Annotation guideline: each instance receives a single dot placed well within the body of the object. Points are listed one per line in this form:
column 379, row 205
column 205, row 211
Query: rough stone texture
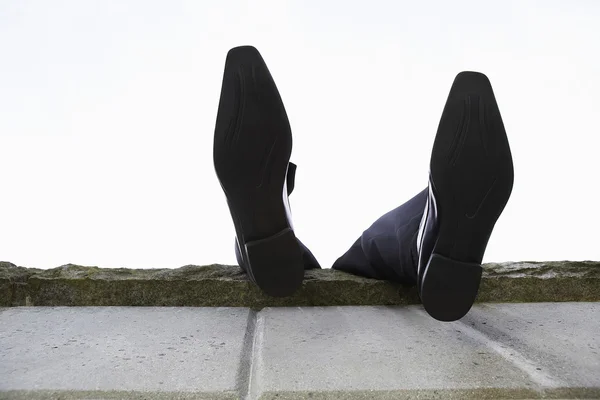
column 221, row 285
column 79, row 352
column 13, row 283
column 499, row 351
column 540, row 281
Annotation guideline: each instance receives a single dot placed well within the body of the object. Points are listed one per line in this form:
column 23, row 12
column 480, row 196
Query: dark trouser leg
column 388, row 248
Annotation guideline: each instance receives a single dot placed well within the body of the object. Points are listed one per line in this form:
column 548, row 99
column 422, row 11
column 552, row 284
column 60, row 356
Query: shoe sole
column 252, row 148
column 471, row 180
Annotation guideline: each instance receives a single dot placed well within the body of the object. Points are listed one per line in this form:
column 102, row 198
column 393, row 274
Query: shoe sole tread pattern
column 472, row 177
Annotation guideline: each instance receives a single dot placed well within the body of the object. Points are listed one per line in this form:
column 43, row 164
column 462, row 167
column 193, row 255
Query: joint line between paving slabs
column 510, row 354
column 244, row 375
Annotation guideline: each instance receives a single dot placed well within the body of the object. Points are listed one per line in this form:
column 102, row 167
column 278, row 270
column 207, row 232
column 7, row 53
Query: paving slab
column 400, row 352
column 517, row 351
column 106, row 352
column 562, row 340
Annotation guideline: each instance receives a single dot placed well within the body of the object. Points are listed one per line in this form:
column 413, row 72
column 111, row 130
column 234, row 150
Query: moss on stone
column 13, row 283
column 222, row 285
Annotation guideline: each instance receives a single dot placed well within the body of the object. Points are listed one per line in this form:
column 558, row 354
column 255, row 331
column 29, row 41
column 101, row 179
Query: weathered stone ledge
column 227, row 286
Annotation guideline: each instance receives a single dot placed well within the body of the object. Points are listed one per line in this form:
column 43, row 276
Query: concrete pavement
column 508, row 350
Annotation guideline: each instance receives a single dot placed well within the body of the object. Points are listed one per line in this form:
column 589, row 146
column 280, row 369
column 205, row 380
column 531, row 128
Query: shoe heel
column 449, row 287
column 276, row 263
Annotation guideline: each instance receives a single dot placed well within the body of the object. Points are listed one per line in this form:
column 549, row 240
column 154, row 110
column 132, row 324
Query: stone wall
column 227, row 286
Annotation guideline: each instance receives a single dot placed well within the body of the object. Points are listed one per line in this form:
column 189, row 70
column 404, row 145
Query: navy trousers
column 388, row 248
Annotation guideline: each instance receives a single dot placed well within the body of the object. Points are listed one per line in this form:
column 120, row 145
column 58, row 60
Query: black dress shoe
column 252, row 148
column 308, row 259
column 470, row 182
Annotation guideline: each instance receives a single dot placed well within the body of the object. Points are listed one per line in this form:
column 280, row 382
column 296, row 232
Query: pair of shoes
column 470, row 181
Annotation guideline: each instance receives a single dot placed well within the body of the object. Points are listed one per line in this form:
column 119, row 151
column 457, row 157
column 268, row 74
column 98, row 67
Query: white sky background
column 107, row 112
